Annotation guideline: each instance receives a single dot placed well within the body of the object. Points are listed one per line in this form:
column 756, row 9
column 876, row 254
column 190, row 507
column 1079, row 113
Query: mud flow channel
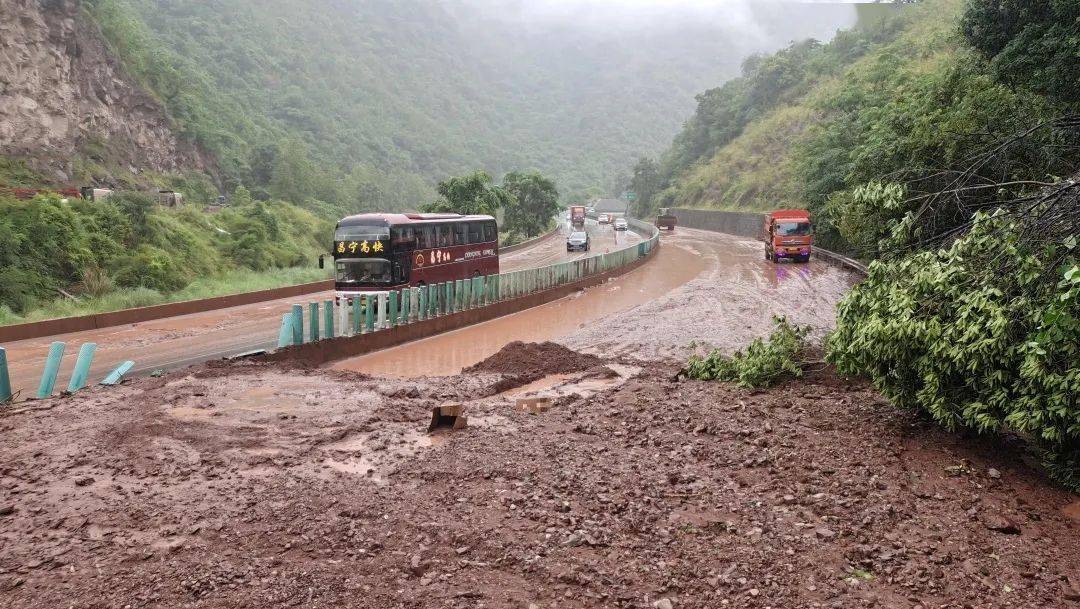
column 447, row 354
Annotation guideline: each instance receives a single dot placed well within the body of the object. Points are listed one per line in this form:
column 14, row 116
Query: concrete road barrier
column 398, row 316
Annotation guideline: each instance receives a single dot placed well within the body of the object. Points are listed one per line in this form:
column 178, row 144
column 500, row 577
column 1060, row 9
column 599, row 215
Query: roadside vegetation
column 62, row 257
column 528, row 201
column 764, row 362
column 128, row 251
column 943, row 146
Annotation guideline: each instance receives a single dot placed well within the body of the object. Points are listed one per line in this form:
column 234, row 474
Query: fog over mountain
column 576, row 89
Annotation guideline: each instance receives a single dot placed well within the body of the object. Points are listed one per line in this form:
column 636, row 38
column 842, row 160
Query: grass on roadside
column 231, row 282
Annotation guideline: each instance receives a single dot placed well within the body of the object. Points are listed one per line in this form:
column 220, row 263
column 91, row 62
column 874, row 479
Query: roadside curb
column 65, row 325
column 528, row 242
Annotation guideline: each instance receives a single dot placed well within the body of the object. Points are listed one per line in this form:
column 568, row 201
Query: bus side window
column 445, row 236
column 460, row 236
column 476, row 232
column 425, row 236
column 402, row 235
column 491, row 232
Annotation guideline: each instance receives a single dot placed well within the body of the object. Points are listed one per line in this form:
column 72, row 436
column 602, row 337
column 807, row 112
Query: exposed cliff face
column 61, row 93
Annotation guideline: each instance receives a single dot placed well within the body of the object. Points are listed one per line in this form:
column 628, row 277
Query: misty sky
column 749, row 25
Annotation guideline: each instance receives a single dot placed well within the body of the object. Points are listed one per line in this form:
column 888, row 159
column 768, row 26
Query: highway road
column 175, row 342
column 701, row 288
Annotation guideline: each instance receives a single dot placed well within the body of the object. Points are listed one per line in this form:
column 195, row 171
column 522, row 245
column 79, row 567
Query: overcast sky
column 750, row 25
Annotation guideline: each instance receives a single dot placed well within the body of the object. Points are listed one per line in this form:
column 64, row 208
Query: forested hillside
column 383, row 98
column 943, row 145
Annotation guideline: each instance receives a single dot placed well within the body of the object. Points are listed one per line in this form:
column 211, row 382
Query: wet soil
column 540, row 359
column 272, row 487
column 598, row 306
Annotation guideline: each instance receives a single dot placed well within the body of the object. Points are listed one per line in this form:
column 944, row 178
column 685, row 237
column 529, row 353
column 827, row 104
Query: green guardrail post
column 392, row 321
column 297, row 324
column 406, row 310
column 421, row 303
column 459, row 295
column 313, row 322
column 328, row 319
column 5, row 379
column 117, row 374
column 52, row 367
column 82, row 367
column 370, row 302
column 357, row 315
column 284, row 336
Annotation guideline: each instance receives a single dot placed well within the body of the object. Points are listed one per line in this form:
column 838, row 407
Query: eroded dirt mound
column 536, row 360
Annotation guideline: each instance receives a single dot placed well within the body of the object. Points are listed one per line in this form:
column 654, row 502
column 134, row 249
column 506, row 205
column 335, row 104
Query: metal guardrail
column 385, row 310
column 79, row 375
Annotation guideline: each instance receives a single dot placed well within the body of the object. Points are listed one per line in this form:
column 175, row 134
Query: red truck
column 577, row 216
column 788, row 235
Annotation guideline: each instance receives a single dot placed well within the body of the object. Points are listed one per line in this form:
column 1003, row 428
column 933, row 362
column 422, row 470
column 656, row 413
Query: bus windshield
column 369, row 270
column 362, row 233
column 792, row 229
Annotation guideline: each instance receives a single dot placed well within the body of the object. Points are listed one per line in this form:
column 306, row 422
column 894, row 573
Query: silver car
column 578, row 241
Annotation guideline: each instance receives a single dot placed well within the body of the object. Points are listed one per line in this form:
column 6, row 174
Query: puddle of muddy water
column 447, row 354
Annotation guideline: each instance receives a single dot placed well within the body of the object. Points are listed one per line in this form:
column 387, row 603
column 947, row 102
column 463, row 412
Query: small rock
column 824, row 533
column 993, row 473
column 6, row 510
column 664, row 603
column 1000, row 523
column 84, row 481
column 754, row 592
column 1070, row 589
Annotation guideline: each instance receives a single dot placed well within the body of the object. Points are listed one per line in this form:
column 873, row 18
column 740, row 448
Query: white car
column 620, row 224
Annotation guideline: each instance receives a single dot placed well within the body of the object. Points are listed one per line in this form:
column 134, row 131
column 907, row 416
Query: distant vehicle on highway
column 621, row 224
column 380, row 252
column 603, row 219
column 788, row 235
column 591, row 210
column 578, row 241
column 665, row 219
column 577, row 216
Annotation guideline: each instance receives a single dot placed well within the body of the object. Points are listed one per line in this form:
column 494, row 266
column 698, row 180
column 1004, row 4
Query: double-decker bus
column 379, row 252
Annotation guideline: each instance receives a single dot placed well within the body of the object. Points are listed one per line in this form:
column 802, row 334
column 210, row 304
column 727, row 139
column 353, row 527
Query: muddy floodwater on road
column 704, row 287
column 177, row 342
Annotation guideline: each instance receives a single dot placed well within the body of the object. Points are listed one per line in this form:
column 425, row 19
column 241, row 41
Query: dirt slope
column 279, row 488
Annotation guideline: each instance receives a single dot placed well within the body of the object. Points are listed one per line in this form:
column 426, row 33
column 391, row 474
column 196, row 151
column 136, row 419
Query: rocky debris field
column 250, row 485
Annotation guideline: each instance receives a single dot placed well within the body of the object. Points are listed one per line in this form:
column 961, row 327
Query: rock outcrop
column 62, row 92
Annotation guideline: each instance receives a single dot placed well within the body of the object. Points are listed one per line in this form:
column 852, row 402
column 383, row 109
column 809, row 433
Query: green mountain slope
column 410, row 91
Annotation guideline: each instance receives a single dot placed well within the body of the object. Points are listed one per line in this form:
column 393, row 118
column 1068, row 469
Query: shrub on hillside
column 983, row 334
column 763, row 363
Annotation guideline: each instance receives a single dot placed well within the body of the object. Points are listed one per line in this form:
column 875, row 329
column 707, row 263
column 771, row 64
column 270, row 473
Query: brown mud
column 313, row 488
column 449, row 353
